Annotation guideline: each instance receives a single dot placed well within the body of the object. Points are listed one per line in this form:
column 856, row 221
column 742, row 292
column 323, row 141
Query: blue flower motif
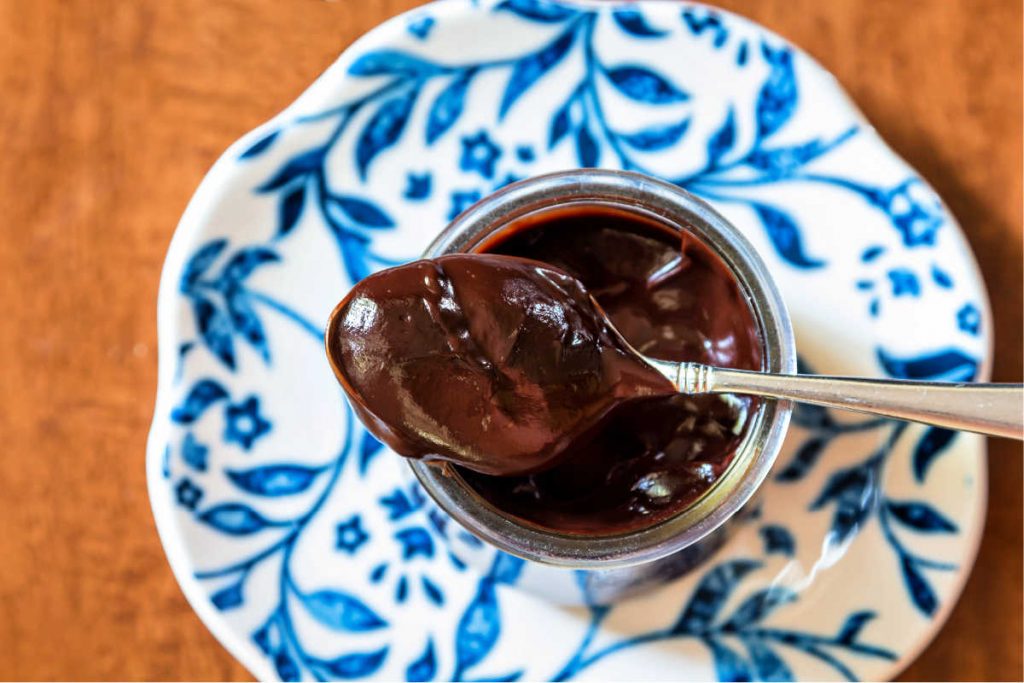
column 415, row 541
column 244, row 423
column 479, row 154
column 420, row 28
column 400, row 505
column 351, row 536
column 188, row 494
column 417, row 186
column 904, row 283
column 968, row 319
column 915, row 211
column 462, row 200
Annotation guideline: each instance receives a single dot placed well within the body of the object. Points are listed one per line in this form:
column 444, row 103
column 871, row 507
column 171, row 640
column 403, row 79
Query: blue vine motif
column 730, row 169
column 701, row 619
column 749, row 147
column 855, row 494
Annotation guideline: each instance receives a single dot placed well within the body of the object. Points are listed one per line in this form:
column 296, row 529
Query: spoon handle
column 993, row 409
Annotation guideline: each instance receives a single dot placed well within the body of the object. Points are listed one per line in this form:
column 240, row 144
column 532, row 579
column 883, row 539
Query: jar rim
column 763, row 439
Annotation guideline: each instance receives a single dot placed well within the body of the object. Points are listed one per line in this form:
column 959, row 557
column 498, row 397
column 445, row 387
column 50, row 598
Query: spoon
column 499, row 364
column 992, row 409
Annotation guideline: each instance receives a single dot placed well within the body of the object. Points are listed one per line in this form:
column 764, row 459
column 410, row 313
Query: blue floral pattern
column 331, row 565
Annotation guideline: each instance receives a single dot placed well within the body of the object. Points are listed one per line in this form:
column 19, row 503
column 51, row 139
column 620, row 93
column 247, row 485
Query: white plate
column 297, row 538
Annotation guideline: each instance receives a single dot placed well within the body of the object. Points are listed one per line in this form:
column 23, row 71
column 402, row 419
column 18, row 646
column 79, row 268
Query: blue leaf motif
column 643, row 85
column 274, row 480
column 803, row 460
column 362, row 211
column 354, row 255
column 448, row 106
column 245, row 261
column 722, row 140
column 267, row 637
column 741, row 54
column 478, row 628
column 768, row 666
column 758, row 606
column 421, row 27
column 872, row 253
column 537, row 10
column 560, row 123
column 201, row 396
column 290, row 209
column 711, row 592
column 215, row 330
column 384, row 129
column 286, row 667
column 632, row 22
column 227, row 598
column 853, row 625
column 785, row 237
column 784, row 161
column 471, row 540
column 424, row 668
column 807, row 415
column 932, row 444
column 950, row 365
column 342, row 612
column 194, row 453
column 431, row 590
column 658, row 137
column 378, row 572
column 920, row 517
column 236, row 519
column 245, row 321
column 529, row 69
column 700, row 24
column 298, row 167
column 260, row 146
column 854, row 492
column 777, row 99
column 920, row 590
column 356, row 665
column 392, row 62
column 201, row 262
column 506, row 568
column 587, row 150
column 729, row 666
column 941, row 278
column 369, row 448
column 777, row 539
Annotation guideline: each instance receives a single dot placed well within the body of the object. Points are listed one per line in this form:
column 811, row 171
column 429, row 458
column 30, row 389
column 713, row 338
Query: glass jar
column 604, row 568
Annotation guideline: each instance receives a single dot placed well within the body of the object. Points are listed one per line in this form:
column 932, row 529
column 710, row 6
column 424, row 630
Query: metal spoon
column 993, row 409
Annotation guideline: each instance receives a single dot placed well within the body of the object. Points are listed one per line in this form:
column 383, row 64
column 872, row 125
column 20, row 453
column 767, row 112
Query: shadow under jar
column 636, row 501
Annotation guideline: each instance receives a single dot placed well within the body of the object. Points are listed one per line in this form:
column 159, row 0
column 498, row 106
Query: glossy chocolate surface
column 495, row 363
column 671, row 298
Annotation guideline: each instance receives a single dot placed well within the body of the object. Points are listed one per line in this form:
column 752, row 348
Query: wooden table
column 110, row 114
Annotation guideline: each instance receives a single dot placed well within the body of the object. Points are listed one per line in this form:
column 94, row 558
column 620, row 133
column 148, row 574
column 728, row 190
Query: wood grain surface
column 111, row 113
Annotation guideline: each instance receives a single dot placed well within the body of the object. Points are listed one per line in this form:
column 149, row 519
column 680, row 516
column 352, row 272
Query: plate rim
column 188, row 230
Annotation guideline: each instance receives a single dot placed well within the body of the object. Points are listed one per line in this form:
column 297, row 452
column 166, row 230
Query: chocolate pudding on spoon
column 494, row 363
column 596, row 441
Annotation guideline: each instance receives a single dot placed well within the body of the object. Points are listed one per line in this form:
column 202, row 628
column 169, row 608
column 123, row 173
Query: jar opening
column 486, row 227
column 670, row 294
